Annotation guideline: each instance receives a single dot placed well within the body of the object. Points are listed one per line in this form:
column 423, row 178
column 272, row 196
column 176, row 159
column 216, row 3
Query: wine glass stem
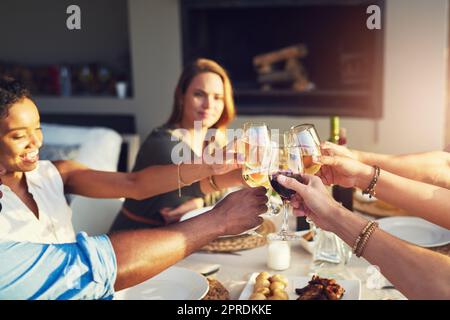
column 286, row 210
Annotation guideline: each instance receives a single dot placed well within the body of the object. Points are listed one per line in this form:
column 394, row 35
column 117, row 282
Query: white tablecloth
column 235, row 270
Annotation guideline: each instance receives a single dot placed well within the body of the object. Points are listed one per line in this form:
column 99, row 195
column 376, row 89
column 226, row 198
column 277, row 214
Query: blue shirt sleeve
column 86, row 269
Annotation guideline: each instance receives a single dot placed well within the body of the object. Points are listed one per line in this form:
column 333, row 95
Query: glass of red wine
column 285, row 160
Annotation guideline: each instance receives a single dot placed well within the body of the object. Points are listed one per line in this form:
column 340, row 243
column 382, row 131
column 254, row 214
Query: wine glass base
column 284, row 236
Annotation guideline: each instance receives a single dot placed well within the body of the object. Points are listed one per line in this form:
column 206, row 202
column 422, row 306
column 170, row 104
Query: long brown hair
column 190, row 71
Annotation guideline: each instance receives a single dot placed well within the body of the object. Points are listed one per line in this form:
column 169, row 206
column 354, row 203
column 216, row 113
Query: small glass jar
column 278, row 254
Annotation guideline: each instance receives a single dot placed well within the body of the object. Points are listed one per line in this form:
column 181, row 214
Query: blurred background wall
column 415, row 69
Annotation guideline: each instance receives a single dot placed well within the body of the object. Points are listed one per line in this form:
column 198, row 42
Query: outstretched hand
column 343, row 171
column 331, row 149
column 227, row 159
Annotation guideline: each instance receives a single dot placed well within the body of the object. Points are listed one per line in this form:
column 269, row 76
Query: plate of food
column 264, row 286
column 199, row 211
column 416, row 230
column 174, row 283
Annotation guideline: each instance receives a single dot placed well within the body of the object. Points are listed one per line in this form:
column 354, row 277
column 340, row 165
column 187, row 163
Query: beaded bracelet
column 361, row 235
column 371, row 188
column 365, row 239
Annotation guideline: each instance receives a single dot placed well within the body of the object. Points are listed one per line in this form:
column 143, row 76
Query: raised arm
column 429, row 167
column 418, row 273
column 151, row 181
column 418, row 198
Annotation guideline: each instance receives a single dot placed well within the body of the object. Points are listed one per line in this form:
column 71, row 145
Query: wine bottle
column 340, row 194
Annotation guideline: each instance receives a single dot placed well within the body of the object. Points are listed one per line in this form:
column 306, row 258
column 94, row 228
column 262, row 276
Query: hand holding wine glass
column 311, row 199
column 286, row 160
column 307, row 139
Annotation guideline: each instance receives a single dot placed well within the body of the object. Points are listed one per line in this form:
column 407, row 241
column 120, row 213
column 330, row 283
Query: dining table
column 233, row 269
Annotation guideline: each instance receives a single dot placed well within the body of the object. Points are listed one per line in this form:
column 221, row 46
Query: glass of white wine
column 305, row 136
column 256, row 147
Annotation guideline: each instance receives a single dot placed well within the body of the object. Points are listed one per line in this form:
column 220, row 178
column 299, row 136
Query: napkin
column 376, row 280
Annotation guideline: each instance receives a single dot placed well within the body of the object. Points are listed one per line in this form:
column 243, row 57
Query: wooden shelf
column 84, row 104
column 317, row 102
column 290, row 93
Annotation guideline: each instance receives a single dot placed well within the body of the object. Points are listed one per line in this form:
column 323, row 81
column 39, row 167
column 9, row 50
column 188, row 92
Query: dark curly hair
column 11, row 91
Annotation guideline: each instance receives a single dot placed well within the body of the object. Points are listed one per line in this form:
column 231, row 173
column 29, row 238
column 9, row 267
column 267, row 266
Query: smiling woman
column 203, row 107
column 20, row 137
column 32, row 189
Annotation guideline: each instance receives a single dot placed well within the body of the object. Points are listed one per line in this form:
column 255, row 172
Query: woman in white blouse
column 36, row 234
column 34, row 207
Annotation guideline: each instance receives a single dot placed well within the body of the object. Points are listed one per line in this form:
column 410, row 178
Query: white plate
column 174, row 283
column 199, row 211
column 352, row 287
column 416, row 230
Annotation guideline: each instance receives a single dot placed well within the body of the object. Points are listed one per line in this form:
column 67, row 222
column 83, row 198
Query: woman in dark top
column 203, row 100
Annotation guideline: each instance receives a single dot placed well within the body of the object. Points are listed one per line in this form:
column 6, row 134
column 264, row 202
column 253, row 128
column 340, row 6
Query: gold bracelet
column 358, row 240
column 181, row 183
column 213, row 183
column 362, row 246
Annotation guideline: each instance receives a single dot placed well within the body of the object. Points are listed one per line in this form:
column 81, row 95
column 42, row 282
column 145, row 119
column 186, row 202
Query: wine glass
column 256, row 150
column 305, row 136
column 285, row 160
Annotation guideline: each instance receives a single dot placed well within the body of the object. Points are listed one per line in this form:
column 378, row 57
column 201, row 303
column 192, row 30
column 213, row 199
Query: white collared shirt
column 18, row 222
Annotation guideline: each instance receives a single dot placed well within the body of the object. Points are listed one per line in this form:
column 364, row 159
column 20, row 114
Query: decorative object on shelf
column 291, row 74
column 69, row 80
column 121, row 89
column 65, row 81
